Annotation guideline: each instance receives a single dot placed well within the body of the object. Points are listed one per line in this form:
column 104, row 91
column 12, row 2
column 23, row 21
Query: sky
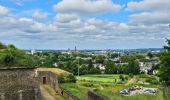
column 86, row 24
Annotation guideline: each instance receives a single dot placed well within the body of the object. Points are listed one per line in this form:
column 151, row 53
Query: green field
column 106, row 78
column 106, row 86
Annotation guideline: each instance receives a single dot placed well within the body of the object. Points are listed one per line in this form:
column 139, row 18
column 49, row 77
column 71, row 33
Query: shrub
column 130, row 75
column 156, row 82
column 71, row 78
column 126, row 77
column 121, row 77
column 88, row 84
column 61, row 79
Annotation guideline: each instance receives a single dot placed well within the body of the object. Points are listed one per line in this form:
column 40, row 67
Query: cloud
column 3, row 10
column 39, row 15
column 149, row 5
column 63, row 18
column 69, row 26
column 20, row 2
column 150, row 18
column 86, row 6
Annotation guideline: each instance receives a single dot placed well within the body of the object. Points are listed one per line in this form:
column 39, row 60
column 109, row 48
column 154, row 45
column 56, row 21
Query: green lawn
column 106, row 78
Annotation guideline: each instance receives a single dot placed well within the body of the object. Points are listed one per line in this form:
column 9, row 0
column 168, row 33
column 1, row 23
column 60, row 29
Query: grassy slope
column 52, row 92
column 104, row 85
column 55, row 70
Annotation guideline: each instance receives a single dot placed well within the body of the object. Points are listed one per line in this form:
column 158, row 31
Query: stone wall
column 19, row 84
column 93, row 96
column 51, row 79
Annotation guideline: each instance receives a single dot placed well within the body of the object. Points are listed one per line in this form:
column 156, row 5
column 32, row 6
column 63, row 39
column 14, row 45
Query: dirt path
column 131, row 81
column 45, row 94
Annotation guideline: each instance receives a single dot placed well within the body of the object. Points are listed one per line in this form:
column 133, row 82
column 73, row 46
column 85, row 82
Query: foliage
column 10, row 56
column 71, row 78
column 164, row 71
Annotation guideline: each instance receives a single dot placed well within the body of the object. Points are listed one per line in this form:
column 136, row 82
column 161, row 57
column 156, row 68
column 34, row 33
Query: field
column 106, row 78
column 106, row 86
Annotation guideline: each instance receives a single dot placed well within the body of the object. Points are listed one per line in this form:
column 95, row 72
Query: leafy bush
column 130, row 75
column 121, row 77
column 71, row 78
column 156, row 82
column 61, row 79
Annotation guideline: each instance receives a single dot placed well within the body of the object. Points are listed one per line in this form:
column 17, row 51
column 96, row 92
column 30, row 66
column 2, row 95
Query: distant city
column 98, row 51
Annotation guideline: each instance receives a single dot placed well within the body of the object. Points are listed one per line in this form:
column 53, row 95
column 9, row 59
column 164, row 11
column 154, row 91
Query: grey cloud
column 149, row 5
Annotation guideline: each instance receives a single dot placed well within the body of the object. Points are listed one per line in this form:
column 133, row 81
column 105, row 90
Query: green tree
column 164, row 71
column 133, row 67
column 110, row 68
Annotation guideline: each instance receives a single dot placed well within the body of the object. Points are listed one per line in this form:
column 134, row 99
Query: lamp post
column 78, row 69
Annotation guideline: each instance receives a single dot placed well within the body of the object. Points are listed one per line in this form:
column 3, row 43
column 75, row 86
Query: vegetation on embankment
column 53, row 93
column 106, row 86
column 10, row 56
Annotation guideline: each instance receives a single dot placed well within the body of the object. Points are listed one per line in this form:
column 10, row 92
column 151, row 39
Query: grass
column 76, row 90
column 116, row 96
column 57, row 71
column 53, row 93
column 105, row 85
column 106, row 78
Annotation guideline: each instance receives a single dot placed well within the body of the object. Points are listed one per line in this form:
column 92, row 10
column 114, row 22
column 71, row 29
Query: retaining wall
column 19, row 84
column 52, row 81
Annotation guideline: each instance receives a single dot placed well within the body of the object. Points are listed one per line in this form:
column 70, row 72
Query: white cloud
column 150, row 18
column 39, row 15
column 3, row 10
column 66, row 17
column 149, row 5
column 86, row 6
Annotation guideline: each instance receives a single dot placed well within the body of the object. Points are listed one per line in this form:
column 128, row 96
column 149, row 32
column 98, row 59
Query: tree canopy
column 10, row 56
column 164, row 71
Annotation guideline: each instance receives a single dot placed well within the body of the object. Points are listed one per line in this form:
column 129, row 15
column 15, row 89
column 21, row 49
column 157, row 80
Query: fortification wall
column 51, row 79
column 93, row 96
column 19, row 84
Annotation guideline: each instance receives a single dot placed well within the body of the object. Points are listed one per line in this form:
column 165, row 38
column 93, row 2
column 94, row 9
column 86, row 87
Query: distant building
column 33, row 51
column 75, row 49
column 146, row 66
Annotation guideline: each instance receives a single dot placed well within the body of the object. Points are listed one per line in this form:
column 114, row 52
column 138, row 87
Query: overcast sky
column 87, row 24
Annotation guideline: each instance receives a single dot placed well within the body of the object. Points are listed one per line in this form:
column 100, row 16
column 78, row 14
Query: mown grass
column 106, row 78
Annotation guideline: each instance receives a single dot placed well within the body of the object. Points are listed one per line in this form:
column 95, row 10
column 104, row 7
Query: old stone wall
column 93, row 96
column 51, row 79
column 19, row 84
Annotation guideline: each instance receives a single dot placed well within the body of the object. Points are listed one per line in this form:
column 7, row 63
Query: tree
column 150, row 55
column 110, row 68
column 133, row 67
column 167, row 47
column 10, row 56
column 164, row 71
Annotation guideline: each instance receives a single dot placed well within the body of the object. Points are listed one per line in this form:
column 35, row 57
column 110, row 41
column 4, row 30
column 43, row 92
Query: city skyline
column 87, row 24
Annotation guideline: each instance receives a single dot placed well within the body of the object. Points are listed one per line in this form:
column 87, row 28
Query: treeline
column 88, row 64
column 10, row 56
